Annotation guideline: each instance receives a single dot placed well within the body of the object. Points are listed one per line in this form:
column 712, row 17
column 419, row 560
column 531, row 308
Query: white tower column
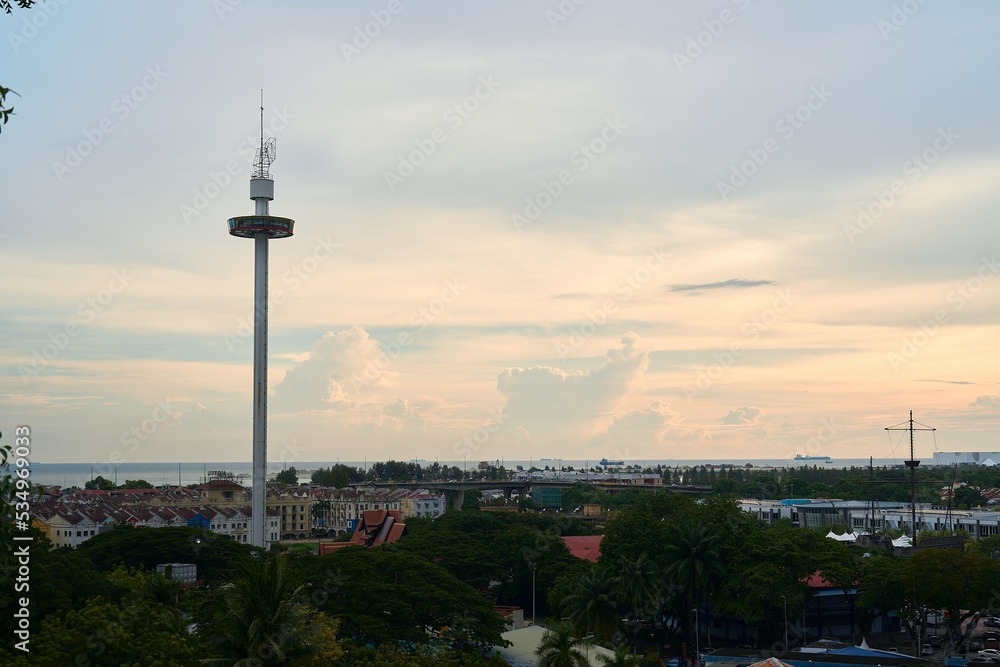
column 258, row 506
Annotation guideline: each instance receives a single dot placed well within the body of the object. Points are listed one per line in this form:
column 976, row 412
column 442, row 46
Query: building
column 859, row 515
column 376, row 527
column 69, row 521
column 295, row 509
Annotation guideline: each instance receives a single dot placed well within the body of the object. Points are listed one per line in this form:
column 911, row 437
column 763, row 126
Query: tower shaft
column 258, row 504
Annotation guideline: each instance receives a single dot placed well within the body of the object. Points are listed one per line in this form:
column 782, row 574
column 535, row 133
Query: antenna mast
column 912, row 465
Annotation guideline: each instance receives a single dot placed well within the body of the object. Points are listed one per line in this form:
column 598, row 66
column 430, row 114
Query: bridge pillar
column 456, row 498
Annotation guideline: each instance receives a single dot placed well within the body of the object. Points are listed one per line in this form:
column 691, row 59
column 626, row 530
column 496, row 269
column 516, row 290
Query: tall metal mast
column 912, row 465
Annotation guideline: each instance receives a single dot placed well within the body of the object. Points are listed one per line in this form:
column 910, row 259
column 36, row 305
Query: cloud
column 341, row 364
column 743, row 415
column 990, row 403
column 945, row 381
column 548, row 406
column 643, row 430
column 732, row 283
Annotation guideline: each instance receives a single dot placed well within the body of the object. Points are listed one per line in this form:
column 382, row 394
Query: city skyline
column 532, row 230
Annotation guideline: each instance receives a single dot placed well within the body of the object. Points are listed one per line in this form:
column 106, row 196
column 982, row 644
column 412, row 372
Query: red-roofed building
column 587, row 547
column 376, row 527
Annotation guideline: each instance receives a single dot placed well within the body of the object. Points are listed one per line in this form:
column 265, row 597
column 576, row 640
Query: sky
column 564, row 229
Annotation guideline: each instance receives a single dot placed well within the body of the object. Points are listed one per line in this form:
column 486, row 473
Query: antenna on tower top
column 265, row 154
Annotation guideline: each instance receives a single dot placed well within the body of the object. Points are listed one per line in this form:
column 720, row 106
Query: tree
column 135, row 484
column 639, row 588
column 472, row 499
column 385, row 594
column 694, row 565
column 99, row 483
column 137, row 632
column 622, row 658
column 962, row 583
column 592, row 606
column 145, row 548
column 261, row 620
column 61, row 580
column 288, row 477
column 338, row 476
column 560, row 648
column 967, row 497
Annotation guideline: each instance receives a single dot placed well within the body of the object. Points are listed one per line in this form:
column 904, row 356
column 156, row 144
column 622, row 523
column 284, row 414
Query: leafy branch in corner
column 9, row 111
column 23, row 4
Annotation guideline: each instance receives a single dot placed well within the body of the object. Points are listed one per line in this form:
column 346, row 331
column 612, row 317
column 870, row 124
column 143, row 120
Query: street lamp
column 697, row 636
column 784, row 601
column 533, row 592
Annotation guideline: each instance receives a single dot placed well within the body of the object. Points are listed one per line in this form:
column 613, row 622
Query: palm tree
column 261, row 621
column 638, row 583
column 592, row 607
column 560, row 648
column 622, row 658
column 694, row 565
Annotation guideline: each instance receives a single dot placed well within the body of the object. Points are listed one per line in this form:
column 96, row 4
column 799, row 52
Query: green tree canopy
column 145, row 548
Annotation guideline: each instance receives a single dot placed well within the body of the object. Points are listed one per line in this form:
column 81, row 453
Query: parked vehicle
column 935, row 641
column 926, row 650
column 975, row 645
column 990, row 653
column 991, row 622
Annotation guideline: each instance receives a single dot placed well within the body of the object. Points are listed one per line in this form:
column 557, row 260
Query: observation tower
column 260, row 227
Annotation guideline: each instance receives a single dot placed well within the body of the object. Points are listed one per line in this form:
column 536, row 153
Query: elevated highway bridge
column 454, row 491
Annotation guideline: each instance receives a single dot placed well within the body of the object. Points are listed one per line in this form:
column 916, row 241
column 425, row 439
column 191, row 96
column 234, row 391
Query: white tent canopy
column 846, row 537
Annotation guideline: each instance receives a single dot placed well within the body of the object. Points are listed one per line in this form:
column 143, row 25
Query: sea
column 193, row 473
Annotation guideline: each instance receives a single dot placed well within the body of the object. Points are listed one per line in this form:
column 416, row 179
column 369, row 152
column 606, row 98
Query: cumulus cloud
column 742, row 415
column 547, row 405
column 341, row 365
column 642, row 430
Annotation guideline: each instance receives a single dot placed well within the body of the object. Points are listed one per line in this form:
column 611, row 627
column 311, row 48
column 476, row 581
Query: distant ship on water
column 800, row 457
column 605, row 462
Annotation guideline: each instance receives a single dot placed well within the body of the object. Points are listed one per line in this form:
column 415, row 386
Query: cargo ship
column 606, row 462
column 800, row 457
